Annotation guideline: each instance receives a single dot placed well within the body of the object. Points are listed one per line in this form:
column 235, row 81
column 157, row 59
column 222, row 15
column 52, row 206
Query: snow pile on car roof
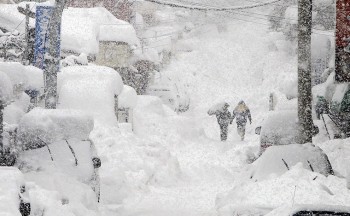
column 91, row 89
column 41, row 126
column 276, row 160
column 11, row 180
column 297, row 185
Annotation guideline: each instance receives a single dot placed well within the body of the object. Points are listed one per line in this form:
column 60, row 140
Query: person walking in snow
column 241, row 113
column 224, row 119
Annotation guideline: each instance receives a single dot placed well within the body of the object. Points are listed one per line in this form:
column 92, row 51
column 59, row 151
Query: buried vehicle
column 170, row 95
column 334, row 100
column 57, row 140
column 279, row 159
column 294, row 174
column 280, row 128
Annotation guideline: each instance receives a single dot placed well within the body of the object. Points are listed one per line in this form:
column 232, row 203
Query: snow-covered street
column 143, row 103
column 226, row 66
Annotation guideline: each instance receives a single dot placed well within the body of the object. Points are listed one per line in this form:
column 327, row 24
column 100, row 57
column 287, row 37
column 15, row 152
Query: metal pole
column 1, row 128
column 53, row 55
column 304, row 70
column 26, row 51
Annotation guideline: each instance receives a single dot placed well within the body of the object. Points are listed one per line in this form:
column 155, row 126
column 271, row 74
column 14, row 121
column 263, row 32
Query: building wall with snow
column 113, row 54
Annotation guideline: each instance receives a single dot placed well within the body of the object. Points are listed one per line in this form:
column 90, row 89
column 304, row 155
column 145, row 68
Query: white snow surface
column 175, row 164
column 27, row 76
column 271, row 163
column 298, row 184
column 91, row 89
column 52, row 125
column 6, row 90
column 81, row 29
column 120, row 32
column 127, row 98
column 11, row 180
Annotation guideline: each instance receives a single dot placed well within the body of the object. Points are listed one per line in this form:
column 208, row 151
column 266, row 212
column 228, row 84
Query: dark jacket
column 224, row 118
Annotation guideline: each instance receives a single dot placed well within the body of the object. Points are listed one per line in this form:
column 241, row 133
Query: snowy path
column 223, row 66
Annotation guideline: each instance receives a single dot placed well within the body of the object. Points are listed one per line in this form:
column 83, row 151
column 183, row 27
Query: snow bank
column 297, row 185
column 63, row 160
column 35, row 77
column 81, row 29
column 280, row 128
column 272, row 162
column 11, row 180
column 6, row 90
column 338, row 152
column 51, row 125
column 131, row 164
column 25, row 76
column 127, row 98
column 53, row 193
column 91, row 89
column 14, row 111
column 15, row 71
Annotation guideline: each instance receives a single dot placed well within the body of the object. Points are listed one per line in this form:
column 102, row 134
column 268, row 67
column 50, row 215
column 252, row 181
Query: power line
column 193, row 7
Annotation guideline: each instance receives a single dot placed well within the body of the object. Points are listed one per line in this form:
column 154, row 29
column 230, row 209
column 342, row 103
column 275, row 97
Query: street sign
column 43, row 15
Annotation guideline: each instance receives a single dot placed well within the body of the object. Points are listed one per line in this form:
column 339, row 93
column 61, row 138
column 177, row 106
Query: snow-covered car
column 283, row 175
column 280, row 128
column 320, row 210
column 171, row 96
column 14, row 198
column 58, row 141
column 279, row 159
column 334, row 99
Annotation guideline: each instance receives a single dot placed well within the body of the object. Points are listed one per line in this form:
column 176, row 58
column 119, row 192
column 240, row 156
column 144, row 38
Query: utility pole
column 304, row 71
column 1, row 127
column 53, row 55
column 26, row 51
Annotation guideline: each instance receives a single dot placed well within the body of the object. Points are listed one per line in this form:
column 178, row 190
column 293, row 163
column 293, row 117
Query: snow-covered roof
column 11, row 19
column 122, row 32
column 81, row 29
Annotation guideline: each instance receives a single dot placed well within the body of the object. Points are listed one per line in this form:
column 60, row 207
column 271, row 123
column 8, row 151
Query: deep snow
column 175, row 164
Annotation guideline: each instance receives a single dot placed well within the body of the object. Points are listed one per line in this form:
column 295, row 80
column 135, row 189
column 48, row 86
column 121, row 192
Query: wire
column 193, row 7
column 24, row 18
